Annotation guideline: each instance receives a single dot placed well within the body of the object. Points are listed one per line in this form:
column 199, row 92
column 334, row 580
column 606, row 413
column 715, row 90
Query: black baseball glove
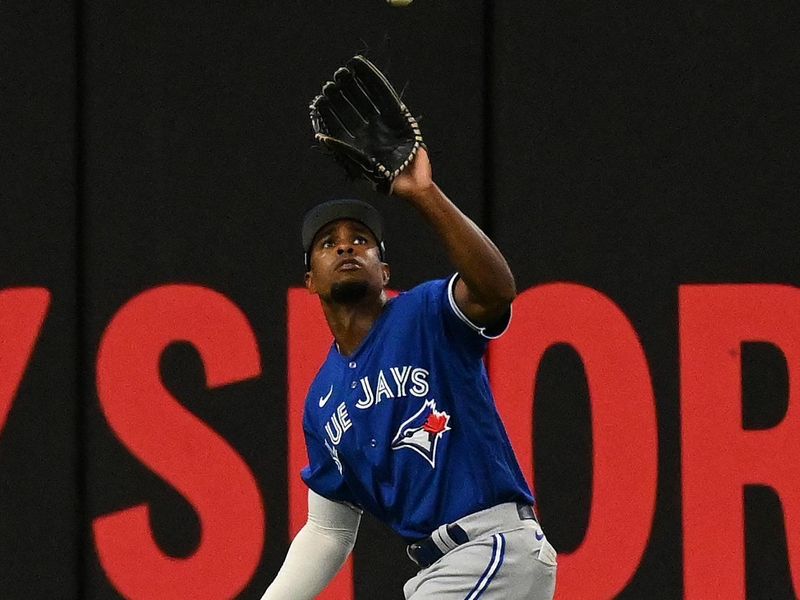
column 361, row 119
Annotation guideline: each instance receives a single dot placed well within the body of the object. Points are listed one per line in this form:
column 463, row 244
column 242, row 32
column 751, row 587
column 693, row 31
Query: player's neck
column 351, row 323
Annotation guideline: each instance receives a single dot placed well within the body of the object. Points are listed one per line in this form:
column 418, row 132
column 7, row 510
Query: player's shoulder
column 427, row 299
column 426, row 290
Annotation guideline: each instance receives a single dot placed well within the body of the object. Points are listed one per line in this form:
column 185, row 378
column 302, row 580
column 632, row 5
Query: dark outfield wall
column 156, row 160
column 39, row 443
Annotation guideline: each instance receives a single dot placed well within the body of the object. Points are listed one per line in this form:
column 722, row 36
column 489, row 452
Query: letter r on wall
column 719, row 456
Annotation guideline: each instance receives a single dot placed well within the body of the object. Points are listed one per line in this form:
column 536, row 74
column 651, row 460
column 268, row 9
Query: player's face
column 346, row 262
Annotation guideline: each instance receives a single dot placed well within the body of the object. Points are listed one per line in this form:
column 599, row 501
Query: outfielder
column 400, row 420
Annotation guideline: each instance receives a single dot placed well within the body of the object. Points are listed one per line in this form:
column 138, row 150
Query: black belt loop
column 426, row 552
column 526, row 512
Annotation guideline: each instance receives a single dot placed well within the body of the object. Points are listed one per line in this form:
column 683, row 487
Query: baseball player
column 400, row 420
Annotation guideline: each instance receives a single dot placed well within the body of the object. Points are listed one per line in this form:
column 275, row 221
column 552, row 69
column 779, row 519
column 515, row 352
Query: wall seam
column 488, row 121
column 83, row 537
column 487, row 218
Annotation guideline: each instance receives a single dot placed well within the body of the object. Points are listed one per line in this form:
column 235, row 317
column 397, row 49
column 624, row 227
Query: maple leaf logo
column 436, row 423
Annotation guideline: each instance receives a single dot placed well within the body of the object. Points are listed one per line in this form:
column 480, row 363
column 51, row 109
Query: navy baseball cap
column 333, row 210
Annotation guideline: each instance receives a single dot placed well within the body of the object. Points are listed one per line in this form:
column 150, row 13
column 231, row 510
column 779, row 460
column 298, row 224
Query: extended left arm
column 486, row 286
column 317, row 552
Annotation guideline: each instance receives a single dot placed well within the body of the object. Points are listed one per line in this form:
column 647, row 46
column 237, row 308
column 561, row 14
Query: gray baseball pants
column 505, row 559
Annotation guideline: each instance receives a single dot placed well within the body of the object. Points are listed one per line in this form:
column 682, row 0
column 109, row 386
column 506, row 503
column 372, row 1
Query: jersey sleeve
column 456, row 326
column 322, row 474
column 489, row 333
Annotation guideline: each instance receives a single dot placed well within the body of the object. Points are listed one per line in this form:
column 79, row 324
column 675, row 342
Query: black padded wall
column 159, row 155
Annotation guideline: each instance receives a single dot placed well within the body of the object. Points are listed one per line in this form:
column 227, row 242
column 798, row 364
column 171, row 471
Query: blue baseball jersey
column 406, row 427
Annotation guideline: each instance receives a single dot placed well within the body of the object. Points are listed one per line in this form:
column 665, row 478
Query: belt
column 428, row 551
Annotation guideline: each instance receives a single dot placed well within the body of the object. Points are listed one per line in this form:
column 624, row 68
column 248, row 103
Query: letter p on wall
column 719, row 456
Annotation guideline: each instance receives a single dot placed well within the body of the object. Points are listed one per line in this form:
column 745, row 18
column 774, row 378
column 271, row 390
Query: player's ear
column 309, row 281
column 386, row 273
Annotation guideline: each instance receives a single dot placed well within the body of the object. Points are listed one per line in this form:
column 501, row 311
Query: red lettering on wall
column 22, row 313
column 178, row 446
column 719, row 457
column 309, row 341
column 624, row 433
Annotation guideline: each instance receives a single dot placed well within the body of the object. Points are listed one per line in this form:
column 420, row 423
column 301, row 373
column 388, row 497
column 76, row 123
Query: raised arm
column 317, row 552
column 486, row 286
